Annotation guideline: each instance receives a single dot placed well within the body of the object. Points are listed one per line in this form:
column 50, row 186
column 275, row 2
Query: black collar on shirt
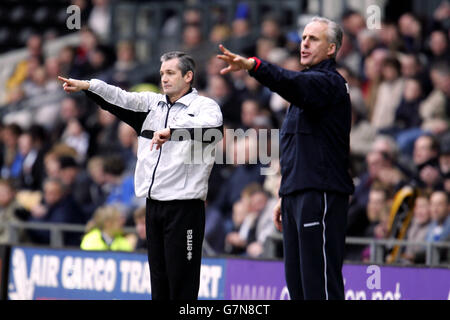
column 324, row 64
column 171, row 103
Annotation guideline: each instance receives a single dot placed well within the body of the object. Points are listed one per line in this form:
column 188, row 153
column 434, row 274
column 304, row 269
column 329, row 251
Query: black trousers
column 175, row 231
column 314, row 226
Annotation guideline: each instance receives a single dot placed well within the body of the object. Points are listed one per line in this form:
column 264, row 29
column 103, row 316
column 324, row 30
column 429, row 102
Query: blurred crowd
column 72, row 162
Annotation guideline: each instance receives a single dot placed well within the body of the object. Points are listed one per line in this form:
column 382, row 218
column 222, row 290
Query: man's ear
column 189, row 76
column 331, row 49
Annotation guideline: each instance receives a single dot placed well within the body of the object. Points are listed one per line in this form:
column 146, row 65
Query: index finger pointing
column 63, row 79
column 226, row 51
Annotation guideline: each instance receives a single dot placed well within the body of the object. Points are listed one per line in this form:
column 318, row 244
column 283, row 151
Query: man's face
column 438, row 206
column 422, row 150
column 315, row 46
column 6, row 195
column 422, row 210
column 52, row 193
column 377, row 201
column 172, row 81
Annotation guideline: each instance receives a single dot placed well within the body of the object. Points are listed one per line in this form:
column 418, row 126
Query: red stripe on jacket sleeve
column 258, row 63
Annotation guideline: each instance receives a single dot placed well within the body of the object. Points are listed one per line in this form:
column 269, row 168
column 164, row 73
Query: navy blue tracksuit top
column 315, row 135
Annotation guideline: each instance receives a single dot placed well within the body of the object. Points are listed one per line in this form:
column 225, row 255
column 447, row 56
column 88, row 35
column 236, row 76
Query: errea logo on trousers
column 189, row 244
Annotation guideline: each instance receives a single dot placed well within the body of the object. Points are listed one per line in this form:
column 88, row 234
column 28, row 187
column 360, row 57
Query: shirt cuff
column 257, row 64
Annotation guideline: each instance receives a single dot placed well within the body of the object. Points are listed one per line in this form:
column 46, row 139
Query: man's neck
column 175, row 97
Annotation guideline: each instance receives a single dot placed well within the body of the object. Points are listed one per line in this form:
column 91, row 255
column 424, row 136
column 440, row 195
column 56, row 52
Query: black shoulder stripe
column 215, row 134
column 133, row 118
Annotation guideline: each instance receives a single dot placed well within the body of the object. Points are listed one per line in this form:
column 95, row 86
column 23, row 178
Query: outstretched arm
column 235, row 61
column 111, row 95
column 74, row 85
column 132, row 108
column 307, row 89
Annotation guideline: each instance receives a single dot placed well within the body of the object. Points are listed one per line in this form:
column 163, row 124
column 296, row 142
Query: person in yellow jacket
column 104, row 231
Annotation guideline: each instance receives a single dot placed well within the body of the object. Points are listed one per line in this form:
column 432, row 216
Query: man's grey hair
column 335, row 32
column 185, row 61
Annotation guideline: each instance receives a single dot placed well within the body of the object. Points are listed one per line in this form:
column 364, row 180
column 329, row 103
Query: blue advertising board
column 37, row 274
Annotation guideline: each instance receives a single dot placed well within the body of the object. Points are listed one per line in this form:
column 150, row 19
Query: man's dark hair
column 113, row 165
column 393, row 62
column 435, row 143
column 185, row 61
column 14, row 128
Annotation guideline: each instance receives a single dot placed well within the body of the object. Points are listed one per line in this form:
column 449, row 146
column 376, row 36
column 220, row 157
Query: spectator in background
column 66, row 56
column 101, row 61
column 418, row 230
column 102, row 127
column 410, row 30
column 52, row 70
column 375, row 163
column 444, row 160
column 121, row 185
column 265, row 227
column 390, row 37
column 221, row 90
column 439, row 48
column 10, row 158
column 246, row 213
column 139, row 241
column 219, row 213
column 38, row 84
column 241, row 39
column 257, row 91
column 77, row 184
column 219, row 33
column 407, row 120
column 271, row 29
column 353, row 23
column 425, row 157
column 362, row 133
column 99, row 19
column 88, row 43
column 222, row 168
column 434, row 110
column 52, row 162
column 123, row 72
column 105, row 231
column 10, row 211
column 56, row 207
column 96, row 193
column 25, row 67
column 389, row 94
column 367, row 42
column 373, row 77
column 277, row 104
column 407, row 113
column 194, row 45
column 69, row 110
column 250, row 110
column 439, row 229
column 76, row 137
column 128, row 146
column 31, row 148
column 264, row 46
column 349, row 56
column 85, row 7
column 412, row 67
column 377, row 217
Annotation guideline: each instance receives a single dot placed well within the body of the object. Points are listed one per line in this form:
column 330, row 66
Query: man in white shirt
column 175, row 186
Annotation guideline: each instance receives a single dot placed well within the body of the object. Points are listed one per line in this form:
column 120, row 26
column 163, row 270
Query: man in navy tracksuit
column 314, row 148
